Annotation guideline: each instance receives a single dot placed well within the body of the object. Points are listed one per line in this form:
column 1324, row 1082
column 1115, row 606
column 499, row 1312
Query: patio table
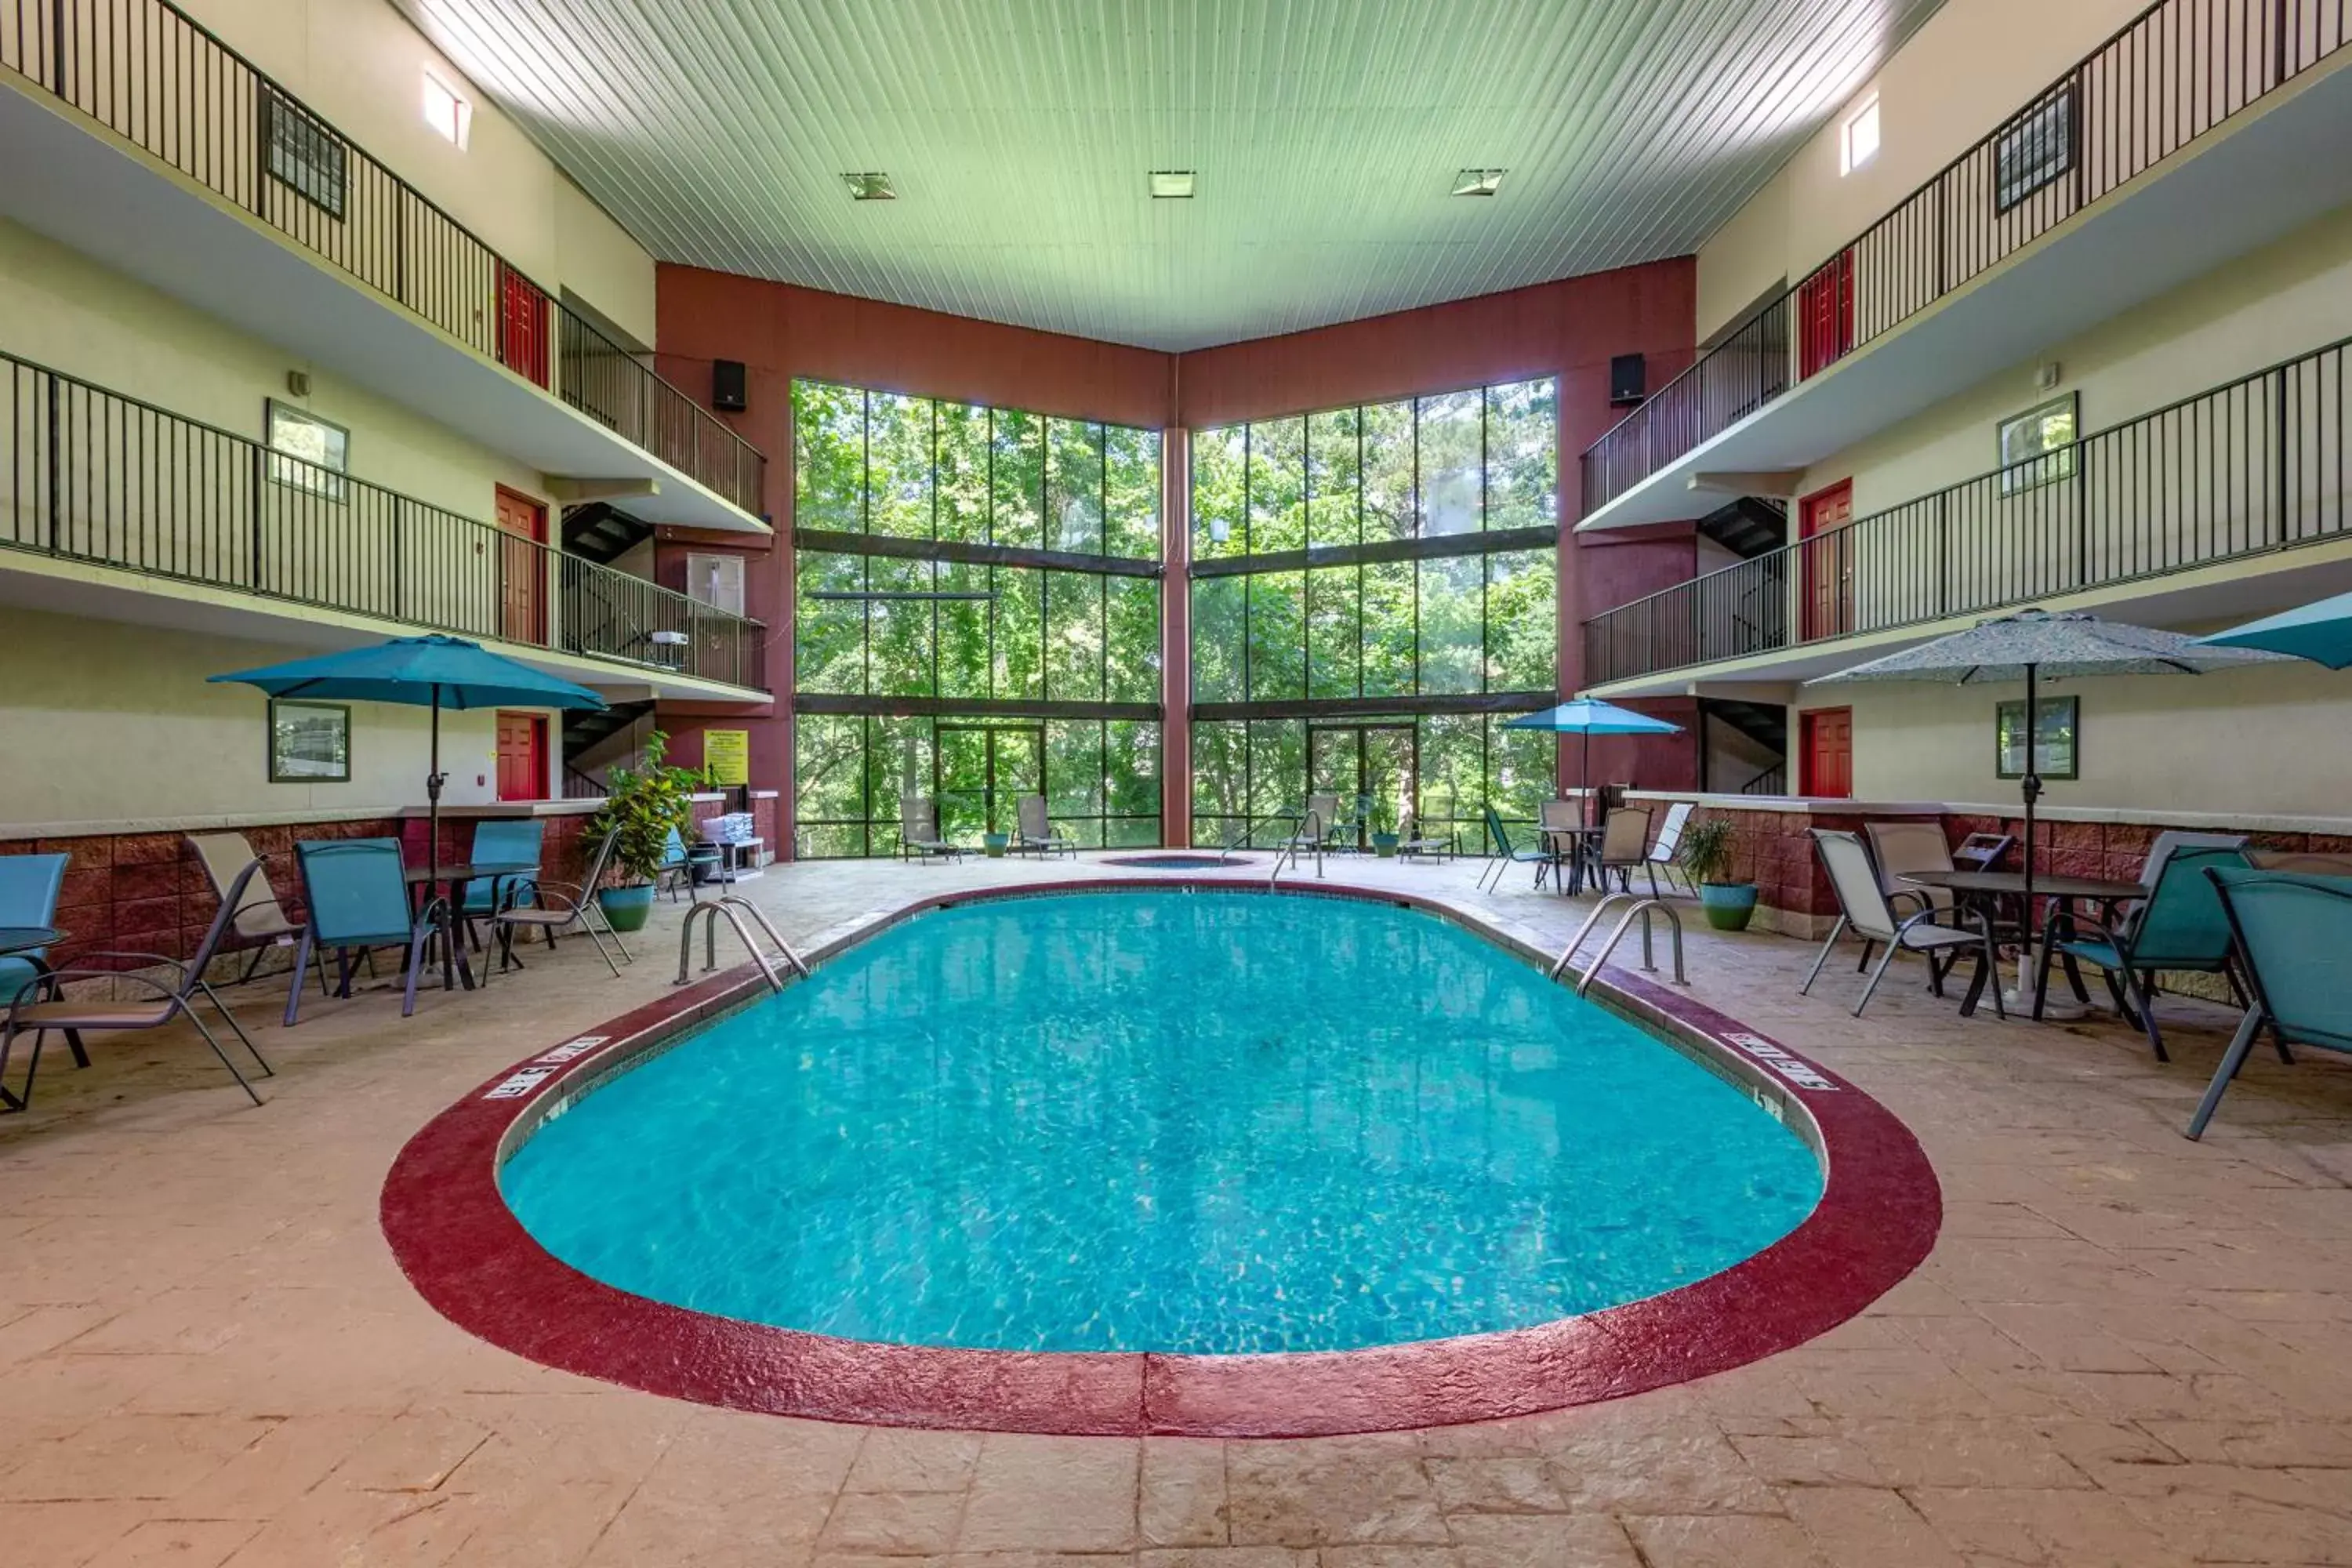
column 1573, row 849
column 1990, row 887
column 445, row 887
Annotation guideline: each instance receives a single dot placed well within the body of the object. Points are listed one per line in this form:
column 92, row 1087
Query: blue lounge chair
column 358, row 900
column 44, row 1006
column 502, row 841
column 2292, row 935
column 29, row 885
column 1506, row 857
column 2180, row 928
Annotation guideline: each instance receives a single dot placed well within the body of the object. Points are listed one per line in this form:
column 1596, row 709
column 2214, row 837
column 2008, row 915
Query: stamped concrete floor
column 2125, row 1349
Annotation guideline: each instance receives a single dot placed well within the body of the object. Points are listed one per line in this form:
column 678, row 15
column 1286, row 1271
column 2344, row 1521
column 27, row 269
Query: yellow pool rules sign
column 728, row 754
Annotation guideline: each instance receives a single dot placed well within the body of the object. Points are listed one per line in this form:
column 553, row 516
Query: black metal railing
column 2256, row 466
column 2175, row 72
column 154, row 76
column 92, row 476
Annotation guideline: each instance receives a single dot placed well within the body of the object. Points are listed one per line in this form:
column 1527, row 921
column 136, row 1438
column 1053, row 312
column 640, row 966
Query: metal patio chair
column 1625, row 846
column 562, row 906
column 1506, row 855
column 2292, row 935
column 358, row 900
column 1034, row 832
column 1863, row 909
column 1669, row 839
column 2182, row 928
column 261, row 922
column 919, row 832
column 44, row 1006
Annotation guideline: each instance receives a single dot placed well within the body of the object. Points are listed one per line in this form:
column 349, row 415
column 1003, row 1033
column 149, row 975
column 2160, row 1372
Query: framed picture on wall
column 310, row 743
column 306, row 452
column 2057, row 749
column 2037, row 446
column 2035, row 149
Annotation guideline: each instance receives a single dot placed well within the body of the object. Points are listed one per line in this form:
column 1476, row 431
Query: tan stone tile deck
column 2125, row 1349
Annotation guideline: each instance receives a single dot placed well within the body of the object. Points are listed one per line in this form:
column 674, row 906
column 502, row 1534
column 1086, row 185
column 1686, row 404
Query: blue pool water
column 1183, row 1121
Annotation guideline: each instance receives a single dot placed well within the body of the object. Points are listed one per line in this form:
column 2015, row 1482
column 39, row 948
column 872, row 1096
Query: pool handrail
column 709, row 912
column 1641, row 907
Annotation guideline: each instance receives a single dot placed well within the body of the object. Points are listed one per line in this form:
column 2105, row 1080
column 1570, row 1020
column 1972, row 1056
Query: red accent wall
column 1568, row 329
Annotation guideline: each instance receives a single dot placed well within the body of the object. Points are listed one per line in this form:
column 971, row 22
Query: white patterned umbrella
column 2033, row 644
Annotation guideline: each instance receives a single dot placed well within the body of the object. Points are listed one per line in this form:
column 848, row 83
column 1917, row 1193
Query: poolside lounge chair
column 261, row 922
column 2181, row 926
column 1625, row 845
column 45, row 1006
column 1864, row 910
column 358, row 900
column 1669, row 839
column 500, row 841
column 1412, row 843
column 1314, row 829
column 1505, row 857
column 919, row 832
column 1034, row 833
column 2292, row 935
column 1899, row 849
column 562, row 905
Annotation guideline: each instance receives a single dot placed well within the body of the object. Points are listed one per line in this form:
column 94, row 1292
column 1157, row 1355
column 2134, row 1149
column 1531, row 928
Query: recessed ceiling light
column 1169, row 184
column 871, row 186
column 1477, row 182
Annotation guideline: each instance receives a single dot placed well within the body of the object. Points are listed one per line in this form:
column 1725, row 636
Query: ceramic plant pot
column 627, row 907
column 1729, row 905
column 995, row 843
column 1384, row 845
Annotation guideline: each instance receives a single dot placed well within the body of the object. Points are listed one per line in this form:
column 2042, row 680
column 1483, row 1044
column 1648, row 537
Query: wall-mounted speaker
column 727, row 385
column 1629, row 379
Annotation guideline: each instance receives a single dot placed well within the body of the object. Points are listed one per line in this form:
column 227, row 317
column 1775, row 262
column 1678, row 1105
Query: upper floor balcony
column 117, row 509
column 2230, row 503
column 2201, row 131
column 140, row 140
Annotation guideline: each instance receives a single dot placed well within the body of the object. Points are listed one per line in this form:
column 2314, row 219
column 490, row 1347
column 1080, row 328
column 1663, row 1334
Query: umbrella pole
column 2031, row 787
column 433, row 800
column 1586, row 773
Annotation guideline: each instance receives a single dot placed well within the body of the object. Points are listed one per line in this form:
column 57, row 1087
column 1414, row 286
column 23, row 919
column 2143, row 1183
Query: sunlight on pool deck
column 2124, row 1348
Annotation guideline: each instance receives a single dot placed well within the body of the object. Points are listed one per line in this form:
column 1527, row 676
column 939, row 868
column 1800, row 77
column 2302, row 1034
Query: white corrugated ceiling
column 1326, row 134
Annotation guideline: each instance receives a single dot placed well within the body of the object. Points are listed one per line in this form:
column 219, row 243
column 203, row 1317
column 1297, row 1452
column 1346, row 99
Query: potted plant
column 1706, row 855
column 1384, row 828
column 643, row 805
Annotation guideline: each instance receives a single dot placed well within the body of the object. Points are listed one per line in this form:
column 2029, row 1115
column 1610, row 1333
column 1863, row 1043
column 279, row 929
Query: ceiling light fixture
column 1477, row 182
column 1171, row 185
column 871, row 186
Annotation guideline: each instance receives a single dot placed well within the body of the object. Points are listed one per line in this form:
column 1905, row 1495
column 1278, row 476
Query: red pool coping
column 468, row 1254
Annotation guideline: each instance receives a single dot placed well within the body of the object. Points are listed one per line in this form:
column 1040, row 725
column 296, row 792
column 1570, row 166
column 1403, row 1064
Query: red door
column 1828, row 754
column 1827, row 548
column 1825, row 315
column 522, row 756
column 522, row 568
column 522, row 325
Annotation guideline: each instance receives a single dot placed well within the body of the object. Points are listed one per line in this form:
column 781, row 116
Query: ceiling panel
column 1326, row 134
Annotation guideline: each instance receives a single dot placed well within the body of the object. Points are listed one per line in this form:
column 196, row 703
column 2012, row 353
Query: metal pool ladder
column 709, row 913
column 1641, row 907
column 1290, row 847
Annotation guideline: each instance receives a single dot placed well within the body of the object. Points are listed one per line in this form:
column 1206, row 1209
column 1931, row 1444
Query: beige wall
column 1969, row 69
column 70, row 313
column 2285, row 299
column 109, row 724
column 360, row 64
column 2274, row 742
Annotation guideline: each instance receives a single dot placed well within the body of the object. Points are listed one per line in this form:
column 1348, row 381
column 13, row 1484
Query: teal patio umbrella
column 1589, row 718
column 2321, row 633
column 433, row 671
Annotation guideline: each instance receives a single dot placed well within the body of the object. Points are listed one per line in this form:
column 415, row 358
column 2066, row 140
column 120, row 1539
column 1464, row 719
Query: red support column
column 1175, row 639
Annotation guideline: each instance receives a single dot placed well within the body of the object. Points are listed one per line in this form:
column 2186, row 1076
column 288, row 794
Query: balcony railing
column 2175, row 72
column 92, row 476
column 154, row 77
column 2250, row 467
